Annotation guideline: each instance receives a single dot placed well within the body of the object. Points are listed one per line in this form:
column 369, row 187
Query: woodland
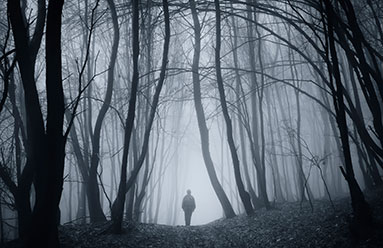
column 270, row 111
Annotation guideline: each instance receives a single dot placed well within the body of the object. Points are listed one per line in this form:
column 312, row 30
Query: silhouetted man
column 188, row 205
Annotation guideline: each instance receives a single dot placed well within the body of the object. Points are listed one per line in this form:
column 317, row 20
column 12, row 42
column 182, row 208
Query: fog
column 253, row 98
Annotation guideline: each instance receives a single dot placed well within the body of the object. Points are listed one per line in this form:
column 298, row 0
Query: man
column 188, row 205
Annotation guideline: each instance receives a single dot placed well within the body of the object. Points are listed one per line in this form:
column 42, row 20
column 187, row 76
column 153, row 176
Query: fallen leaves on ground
column 286, row 225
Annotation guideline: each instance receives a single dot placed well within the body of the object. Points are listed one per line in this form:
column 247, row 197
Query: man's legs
column 187, row 217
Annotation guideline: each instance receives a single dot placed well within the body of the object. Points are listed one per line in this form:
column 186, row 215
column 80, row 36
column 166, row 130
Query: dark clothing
column 188, row 205
column 188, row 215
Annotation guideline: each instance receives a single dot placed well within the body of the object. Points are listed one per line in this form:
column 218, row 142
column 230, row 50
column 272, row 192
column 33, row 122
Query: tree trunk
column 257, row 153
column 245, row 197
column 204, row 132
column 95, row 208
column 49, row 172
column 238, row 88
column 361, row 209
column 45, row 152
column 25, row 176
column 117, row 208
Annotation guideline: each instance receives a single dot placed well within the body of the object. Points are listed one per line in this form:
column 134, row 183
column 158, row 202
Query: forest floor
column 286, row 225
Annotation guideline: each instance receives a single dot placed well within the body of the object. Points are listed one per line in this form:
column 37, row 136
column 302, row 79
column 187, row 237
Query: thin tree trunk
column 93, row 190
column 117, row 208
column 204, row 132
column 238, row 86
column 274, row 164
column 361, row 209
column 244, row 195
column 257, row 151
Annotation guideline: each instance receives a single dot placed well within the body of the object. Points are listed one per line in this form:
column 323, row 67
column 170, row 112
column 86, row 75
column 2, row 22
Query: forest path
column 287, row 225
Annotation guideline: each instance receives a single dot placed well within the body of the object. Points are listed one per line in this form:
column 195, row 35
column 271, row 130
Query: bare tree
column 117, row 208
column 204, row 132
column 245, row 197
column 360, row 207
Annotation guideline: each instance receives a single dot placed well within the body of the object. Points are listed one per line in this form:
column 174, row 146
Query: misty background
column 280, row 93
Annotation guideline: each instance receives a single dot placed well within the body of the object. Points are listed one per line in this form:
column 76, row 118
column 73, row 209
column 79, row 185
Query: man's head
column 188, row 191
